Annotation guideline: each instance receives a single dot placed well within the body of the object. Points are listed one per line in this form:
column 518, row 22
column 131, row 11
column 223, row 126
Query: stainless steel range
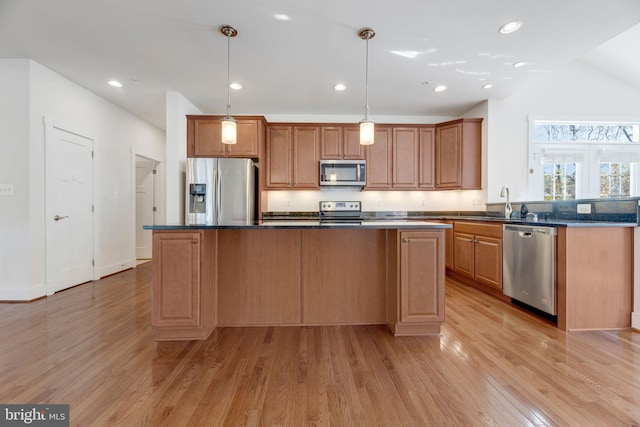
column 337, row 212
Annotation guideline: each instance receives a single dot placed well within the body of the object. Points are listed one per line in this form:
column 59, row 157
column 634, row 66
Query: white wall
column 575, row 91
column 306, row 201
column 14, row 166
column 177, row 107
column 118, row 137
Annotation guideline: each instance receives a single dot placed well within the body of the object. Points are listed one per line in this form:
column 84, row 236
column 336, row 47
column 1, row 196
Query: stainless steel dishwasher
column 529, row 265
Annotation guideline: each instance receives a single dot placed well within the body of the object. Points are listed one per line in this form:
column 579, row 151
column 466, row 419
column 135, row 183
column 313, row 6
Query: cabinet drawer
column 478, row 228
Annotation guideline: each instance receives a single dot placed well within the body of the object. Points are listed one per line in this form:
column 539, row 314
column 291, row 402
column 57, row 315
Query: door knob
column 58, row 217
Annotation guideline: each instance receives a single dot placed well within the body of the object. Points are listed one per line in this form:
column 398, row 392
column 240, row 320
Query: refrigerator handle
column 214, row 195
column 218, row 197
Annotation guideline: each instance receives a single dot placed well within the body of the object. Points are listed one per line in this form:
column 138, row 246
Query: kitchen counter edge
column 306, row 224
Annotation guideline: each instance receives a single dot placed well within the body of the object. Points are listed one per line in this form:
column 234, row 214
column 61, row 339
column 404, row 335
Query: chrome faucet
column 507, row 206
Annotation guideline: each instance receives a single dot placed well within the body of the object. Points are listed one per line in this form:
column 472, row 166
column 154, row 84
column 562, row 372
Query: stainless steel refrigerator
column 220, row 191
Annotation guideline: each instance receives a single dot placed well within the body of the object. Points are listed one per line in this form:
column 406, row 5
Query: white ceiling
column 290, row 67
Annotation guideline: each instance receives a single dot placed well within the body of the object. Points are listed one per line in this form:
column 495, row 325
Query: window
column 583, row 159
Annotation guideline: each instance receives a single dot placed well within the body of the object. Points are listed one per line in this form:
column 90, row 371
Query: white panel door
column 69, row 209
column 145, row 214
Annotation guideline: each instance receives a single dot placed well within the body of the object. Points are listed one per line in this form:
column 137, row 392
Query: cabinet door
column 207, row 134
column 379, row 159
column 306, row 157
column 488, row 261
column 176, row 279
column 247, row 140
column 463, row 254
column 449, row 156
column 405, row 158
column 279, row 156
column 426, row 167
column 331, row 143
column 421, row 277
column 351, row 148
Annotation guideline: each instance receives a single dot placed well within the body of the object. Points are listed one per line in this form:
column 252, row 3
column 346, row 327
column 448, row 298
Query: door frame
column 50, row 124
column 156, row 193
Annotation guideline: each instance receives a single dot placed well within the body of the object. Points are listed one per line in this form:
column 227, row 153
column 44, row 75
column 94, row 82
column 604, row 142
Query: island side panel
column 343, row 276
column 595, row 277
column 259, row 277
column 183, row 284
column 418, row 284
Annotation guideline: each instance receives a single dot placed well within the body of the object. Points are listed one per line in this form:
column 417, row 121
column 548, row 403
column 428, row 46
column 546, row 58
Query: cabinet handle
column 405, row 240
column 194, row 241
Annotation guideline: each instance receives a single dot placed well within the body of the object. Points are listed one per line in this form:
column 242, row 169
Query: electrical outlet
column 6, row 189
column 584, row 208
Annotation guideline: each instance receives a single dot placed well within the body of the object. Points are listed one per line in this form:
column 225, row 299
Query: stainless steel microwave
column 343, row 173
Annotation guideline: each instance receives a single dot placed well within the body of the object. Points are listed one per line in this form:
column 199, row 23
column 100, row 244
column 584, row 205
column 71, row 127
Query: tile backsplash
column 374, row 201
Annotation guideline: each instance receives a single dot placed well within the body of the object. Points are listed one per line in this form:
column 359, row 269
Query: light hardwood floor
column 494, row 364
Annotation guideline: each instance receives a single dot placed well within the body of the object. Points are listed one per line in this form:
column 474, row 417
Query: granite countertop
column 306, row 224
column 466, row 216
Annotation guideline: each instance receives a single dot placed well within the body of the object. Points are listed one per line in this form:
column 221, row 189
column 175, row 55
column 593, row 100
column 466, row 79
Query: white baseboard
column 100, row 272
column 635, row 321
column 23, row 294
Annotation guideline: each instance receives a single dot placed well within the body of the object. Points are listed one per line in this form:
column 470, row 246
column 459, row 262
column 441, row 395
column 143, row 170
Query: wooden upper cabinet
column 351, row 148
column 405, row 157
column 426, row 163
column 340, row 143
column 279, row 156
column 306, row 157
column 204, row 138
column 379, row 159
column 331, row 143
column 458, row 154
column 293, row 157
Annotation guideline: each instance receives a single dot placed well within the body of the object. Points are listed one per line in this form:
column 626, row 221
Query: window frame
column 587, row 171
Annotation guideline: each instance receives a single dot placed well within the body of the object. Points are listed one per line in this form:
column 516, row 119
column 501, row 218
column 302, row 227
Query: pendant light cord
column 366, row 83
column 228, row 74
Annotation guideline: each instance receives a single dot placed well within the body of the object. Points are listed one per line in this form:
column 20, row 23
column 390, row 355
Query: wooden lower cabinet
column 271, row 277
column 477, row 253
column 183, row 287
column 415, row 299
column 259, row 277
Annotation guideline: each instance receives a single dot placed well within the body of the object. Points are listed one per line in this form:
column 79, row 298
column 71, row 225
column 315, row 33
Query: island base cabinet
column 595, row 278
column 183, row 285
column 415, row 300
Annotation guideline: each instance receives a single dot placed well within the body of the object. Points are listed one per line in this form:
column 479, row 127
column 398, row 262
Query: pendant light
column 366, row 125
column 228, row 123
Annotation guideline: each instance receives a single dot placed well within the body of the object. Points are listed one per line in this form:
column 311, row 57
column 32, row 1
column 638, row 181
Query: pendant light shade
column 366, row 132
column 229, row 133
column 366, row 125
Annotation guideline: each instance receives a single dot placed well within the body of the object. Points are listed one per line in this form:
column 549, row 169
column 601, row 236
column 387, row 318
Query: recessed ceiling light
column 487, row 86
column 236, row 86
column 519, row 64
column 339, row 87
column 510, row 27
column 114, row 83
column 440, row 88
column 281, row 17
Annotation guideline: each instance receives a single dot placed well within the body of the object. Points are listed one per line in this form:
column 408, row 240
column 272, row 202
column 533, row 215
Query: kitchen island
column 298, row 273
